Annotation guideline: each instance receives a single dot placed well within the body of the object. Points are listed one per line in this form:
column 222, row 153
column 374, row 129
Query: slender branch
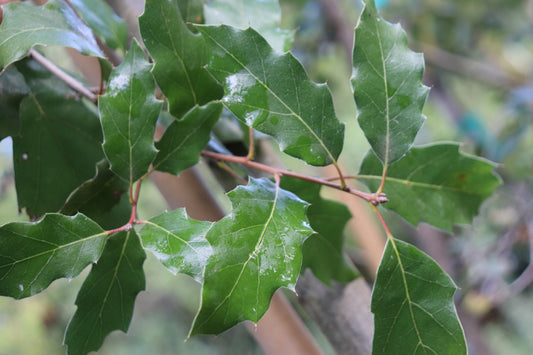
column 373, row 198
column 383, row 223
column 251, row 149
column 230, row 171
column 67, row 79
column 133, row 217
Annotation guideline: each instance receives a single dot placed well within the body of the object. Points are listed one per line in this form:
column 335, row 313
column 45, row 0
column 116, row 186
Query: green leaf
column 273, row 94
column 103, row 199
column 129, row 112
column 179, row 56
column 435, row 184
column 107, row 298
column 413, row 305
column 32, row 255
column 178, row 242
column 387, row 85
column 323, row 251
column 103, row 21
column 263, row 15
column 59, row 136
column 192, row 10
column 53, row 23
column 13, row 89
column 183, row 141
column 256, row 250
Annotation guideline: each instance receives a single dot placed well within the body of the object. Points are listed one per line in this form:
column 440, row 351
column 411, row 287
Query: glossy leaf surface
column 59, row 136
column 387, row 86
column 128, row 112
column 413, row 305
column 107, row 298
column 53, row 23
column 178, row 242
column 262, row 15
column 435, row 184
column 323, row 251
column 103, row 21
column 32, row 255
column 12, row 90
column 179, row 56
column 256, row 250
column 273, row 94
column 103, row 199
column 183, row 141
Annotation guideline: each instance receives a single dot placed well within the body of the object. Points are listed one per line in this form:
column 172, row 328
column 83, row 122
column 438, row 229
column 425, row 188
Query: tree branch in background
column 67, row 79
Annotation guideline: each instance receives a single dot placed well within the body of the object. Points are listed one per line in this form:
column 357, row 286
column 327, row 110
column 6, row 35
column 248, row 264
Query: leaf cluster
column 79, row 166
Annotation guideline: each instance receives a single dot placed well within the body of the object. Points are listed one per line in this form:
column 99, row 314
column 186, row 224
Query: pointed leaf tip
column 387, row 85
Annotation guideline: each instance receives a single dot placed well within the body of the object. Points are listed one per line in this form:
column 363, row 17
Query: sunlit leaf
column 273, row 94
column 387, row 86
column 59, row 137
column 435, row 184
column 12, row 91
column 178, row 242
column 323, row 251
column 179, row 56
column 256, row 250
column 107, row 298
column 54, row 23
column 413, row 305
column 129, row 112
column 183, row 141
column 103, row 21
column 32, row 255
column 262, row 15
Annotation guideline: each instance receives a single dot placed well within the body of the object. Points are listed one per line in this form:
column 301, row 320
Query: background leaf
column 273, row 94
column 323, row 251
column 435, row 184
column 32, row 255
column 103, row 199
column 183, row 141
column 129, row 112
column 256, row 250
column 58, row 136
column 387, row 85
column 107, row 298
column 13, row 89
column 178, row 242
column 264, row 16
column 179, row 56
column 103, row 21
column 413, row 305
column 53, row 23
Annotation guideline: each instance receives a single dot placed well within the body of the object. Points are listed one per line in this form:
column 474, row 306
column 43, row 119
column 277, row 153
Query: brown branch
column 67, row 79
column 373, row 198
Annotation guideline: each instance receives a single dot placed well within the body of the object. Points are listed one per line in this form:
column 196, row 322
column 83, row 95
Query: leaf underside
column 387, row 85
column 256, row 250
column 273, row 94
column 107, row 297
column 413, row 305
column 32, row 255
column 435, row 184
